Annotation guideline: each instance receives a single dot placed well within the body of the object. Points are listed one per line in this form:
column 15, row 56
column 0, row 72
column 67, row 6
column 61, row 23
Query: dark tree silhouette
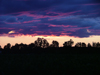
column 78, row 44
column 0, row 47
column 94, row 44
column 65, row 44
column 89, row 45
column 54, row 44
column 38, row 42
column 15, row 47
column 5, row 47
column 16, row 44
column 8, row 46
column 68, row 43
column 83, row 44
column 41, row 42
column 25, row 46
column 45, row 43
column 31, row 46
column 98, row 44
column 21, row 46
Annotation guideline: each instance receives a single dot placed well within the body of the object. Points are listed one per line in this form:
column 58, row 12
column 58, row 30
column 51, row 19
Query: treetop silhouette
column 43, row 43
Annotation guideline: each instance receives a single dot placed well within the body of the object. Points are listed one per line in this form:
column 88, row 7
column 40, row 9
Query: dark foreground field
column 50, row 64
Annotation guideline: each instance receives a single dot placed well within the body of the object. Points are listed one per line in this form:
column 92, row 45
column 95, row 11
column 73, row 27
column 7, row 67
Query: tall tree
column 41, row 42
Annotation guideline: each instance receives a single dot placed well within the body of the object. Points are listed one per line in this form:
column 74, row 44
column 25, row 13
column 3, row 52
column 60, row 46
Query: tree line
column 43, row 43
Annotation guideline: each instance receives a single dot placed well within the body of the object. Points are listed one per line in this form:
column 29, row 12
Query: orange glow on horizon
column 27, row 39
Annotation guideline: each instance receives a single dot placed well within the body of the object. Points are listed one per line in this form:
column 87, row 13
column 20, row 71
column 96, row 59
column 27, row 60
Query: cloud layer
column 50, row 17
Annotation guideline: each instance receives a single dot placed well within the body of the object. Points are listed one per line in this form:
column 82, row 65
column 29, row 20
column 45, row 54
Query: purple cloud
column 50, row 17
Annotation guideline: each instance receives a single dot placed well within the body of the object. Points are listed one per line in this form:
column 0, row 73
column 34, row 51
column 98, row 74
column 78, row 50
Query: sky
column 23, row 21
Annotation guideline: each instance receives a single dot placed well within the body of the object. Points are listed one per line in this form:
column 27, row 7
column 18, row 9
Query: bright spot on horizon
column 11, row 32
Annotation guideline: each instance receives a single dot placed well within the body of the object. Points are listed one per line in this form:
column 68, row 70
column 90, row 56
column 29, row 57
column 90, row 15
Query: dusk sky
column 23, row 21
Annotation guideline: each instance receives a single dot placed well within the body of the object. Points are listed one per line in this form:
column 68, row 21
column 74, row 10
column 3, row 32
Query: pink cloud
column 63, row 14
column 7, row 28
column 20, row 30
column 31, row 21
column 13, row 23
column 36, row 16
column 51, row 25
column 36, row 34
column 32, row 26
column 72, row 29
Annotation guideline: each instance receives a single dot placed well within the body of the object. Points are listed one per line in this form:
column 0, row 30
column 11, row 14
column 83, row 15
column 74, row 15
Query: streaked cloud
column 50, row 17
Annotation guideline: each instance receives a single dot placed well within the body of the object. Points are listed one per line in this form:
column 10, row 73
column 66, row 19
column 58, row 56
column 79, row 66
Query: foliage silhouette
column 89, row 45
column 54, row 44
column 41, row 42
column 41, row 45
column 80, row 44
column 68, row 43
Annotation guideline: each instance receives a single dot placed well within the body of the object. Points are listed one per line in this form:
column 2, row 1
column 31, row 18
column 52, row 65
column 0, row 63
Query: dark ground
column 50, row 63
